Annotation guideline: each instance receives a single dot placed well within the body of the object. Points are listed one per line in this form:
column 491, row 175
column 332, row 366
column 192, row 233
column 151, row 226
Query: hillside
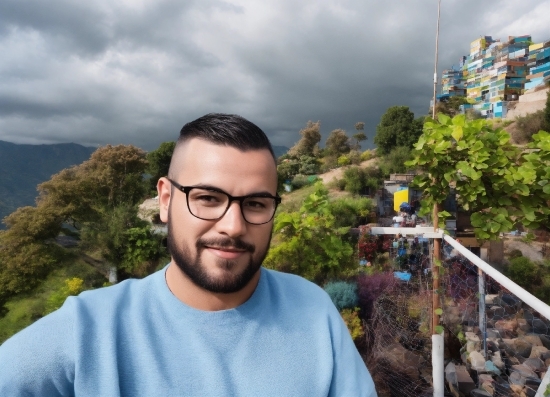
column 23, row 167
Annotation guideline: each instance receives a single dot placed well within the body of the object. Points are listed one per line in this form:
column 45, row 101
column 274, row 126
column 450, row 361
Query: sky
column 135, row 71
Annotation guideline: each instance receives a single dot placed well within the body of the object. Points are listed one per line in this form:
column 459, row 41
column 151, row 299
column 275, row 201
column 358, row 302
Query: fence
column 497, row 335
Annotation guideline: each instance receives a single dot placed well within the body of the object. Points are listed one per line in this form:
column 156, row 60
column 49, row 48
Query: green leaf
column 457, row 133
column 439, row 329
column 439, row 311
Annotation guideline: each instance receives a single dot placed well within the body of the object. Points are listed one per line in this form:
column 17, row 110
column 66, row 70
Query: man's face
column 223, row 255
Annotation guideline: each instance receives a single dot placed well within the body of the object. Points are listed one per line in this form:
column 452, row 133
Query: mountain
column 23, row 167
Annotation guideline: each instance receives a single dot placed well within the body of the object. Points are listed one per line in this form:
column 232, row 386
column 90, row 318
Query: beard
column 191, row 264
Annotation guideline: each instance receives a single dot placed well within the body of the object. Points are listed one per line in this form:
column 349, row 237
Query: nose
column 232, row 223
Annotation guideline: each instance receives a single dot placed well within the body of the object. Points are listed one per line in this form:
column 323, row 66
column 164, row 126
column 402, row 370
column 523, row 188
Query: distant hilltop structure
column 496, row 73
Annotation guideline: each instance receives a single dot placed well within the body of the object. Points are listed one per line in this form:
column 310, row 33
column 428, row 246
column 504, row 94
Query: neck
column 198, row 298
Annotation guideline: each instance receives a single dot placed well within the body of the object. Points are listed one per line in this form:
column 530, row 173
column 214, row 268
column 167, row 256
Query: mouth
column 226, row 252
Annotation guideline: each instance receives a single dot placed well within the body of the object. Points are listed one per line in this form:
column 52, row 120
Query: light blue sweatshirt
column 137, row 339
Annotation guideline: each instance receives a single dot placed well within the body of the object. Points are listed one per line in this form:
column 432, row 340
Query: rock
column 472, row 342
column 538, row 351
column 516, row 378
column 451, row 378
column 491, row 368
column 502, row 388
column 539, row 326
column 531, row 386
column 522, row 347
column 493, row 333
column 490, row 299
column 464, row 380
column 518, row 390
column 479, row 393
column 523, row 326
column 488, row 387
column 533, row 339
column 485, row 378
column 397, row 355
column 545, row 341
column 507, row 328
column 523, row 370
column 536, row 364
column 497, row 360
column 477, row 361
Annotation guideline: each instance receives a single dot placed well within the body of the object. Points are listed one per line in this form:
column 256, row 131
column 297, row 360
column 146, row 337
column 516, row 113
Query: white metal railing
column 437, row 339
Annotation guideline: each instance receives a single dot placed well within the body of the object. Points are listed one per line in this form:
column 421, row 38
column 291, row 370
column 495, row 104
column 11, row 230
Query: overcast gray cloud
column 134, row 71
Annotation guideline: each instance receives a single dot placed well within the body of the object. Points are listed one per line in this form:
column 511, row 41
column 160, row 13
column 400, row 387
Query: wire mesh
column 502, row 352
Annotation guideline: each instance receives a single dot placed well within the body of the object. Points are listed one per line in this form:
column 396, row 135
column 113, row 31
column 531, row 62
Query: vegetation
column 308, row 243
column 528, row 125
column 397, row 127
column 158, row 163
column 493, row 179
column 450, row 107
column 343, row 294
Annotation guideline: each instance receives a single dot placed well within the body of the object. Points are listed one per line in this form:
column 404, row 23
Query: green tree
column 159, row 162
column 451, row 107
column 492, row 178
column 397, row 127
column 394, row 161
column 338, row 143
column 359, row 136
column 308, row 144
column 308, row 243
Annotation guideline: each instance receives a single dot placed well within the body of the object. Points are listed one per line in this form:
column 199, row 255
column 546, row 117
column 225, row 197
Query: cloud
column 121, row 71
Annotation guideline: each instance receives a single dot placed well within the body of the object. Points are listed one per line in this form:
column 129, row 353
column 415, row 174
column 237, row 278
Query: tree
column 337, row 143
column 159, row 162
column 308, row 144
column 309, row 244
column 450, row 107
column 88, row 196
column 397, row 128
column 499, row 184
column 359, row 136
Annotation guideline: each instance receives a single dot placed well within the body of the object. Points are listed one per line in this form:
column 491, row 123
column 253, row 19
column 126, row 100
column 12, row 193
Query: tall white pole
column 438, row 376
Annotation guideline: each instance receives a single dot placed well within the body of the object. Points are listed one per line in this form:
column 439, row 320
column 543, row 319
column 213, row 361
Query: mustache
column 225, row 243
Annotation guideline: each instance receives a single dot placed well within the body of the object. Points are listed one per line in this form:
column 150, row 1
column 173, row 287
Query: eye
column 256, row 203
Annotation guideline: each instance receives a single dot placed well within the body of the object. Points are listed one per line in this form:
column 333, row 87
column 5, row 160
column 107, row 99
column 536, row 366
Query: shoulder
column 296, row 289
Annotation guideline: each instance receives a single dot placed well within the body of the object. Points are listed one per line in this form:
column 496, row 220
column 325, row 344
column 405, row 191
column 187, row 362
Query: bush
column 343, row 294
column 354, row 178
column 515, row 253
column 369, row 288
column 524, row 272
column 350, row 211
column 308, row 165
column 353, row 322
column 73, row 286
column 529, row 125
column 300, row 181
column 355, row 157
column 394, row 162
column 367, row 155
column 344, row 160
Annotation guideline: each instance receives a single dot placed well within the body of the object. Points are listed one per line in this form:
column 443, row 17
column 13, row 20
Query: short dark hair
column 226, row 129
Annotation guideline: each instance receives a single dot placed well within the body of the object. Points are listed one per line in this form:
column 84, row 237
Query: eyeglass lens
column 207, row 204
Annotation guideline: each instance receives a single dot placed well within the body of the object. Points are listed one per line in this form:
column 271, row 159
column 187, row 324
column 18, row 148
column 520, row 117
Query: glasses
column 211, row 204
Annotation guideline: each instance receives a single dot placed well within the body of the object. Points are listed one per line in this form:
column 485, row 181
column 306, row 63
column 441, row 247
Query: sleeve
column 350, row 375
column 38, row 361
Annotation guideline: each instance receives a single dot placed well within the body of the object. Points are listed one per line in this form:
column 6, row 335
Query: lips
column 225, row 252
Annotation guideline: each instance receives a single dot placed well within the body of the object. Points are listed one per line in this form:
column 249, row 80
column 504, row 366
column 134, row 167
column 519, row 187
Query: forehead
column 238, row 172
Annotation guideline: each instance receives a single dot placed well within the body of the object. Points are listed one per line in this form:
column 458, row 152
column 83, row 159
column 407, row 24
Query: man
column 213, row 322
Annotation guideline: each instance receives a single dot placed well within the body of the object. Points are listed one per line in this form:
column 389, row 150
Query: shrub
column 355, row 157
column 370, row 287
column 344, row 160
column 308, row 165
column 515, row 253
column 343, row 294
column 529, row 125
column 367, row 155
column 394, row 162
column 72, row 286
column 355, row 180
column 350, row 211
column 353, row 322
column 300, row 181
column 524, row 272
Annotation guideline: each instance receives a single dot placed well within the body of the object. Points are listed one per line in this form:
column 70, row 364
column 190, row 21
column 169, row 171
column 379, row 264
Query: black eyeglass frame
column 240, row 199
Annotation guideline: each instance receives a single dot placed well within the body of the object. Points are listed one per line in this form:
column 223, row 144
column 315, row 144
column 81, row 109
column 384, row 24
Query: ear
column 164, row 188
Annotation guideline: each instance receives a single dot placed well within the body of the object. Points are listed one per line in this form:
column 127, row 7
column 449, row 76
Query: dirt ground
column 339, row 172
column 531, row 250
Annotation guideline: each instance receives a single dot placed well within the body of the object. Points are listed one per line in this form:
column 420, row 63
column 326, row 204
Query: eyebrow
column 217, row 189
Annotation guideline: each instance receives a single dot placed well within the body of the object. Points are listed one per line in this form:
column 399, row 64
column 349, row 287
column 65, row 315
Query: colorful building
column 495, row 73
